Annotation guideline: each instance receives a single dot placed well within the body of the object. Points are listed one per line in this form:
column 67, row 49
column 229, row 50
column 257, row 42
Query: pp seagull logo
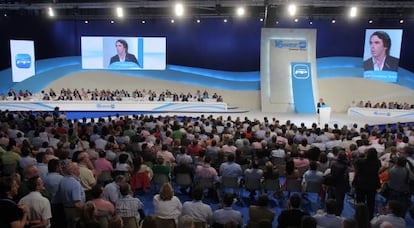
column 23, row 61
column 301, row 71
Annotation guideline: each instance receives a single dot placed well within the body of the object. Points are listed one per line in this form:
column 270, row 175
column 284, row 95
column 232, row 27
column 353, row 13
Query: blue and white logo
column 302, row 44
column 105, row 106
column 291, row 44
column 23, row 61
column 301, row 71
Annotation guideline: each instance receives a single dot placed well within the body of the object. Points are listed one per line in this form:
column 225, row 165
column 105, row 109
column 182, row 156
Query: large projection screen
column 123, row 53
column 382, row 53
column 22, row 59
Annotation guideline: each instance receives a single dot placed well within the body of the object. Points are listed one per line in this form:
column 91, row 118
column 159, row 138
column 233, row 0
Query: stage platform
column 308, row 119
column 94, row 109
column 110, row 106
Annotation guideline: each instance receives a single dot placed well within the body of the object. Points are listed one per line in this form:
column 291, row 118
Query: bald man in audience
column 29, row 172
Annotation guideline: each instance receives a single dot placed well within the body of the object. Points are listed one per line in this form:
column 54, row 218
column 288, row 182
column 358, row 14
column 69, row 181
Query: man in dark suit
column 292, row 217
column 380, row 45
column 122, row 53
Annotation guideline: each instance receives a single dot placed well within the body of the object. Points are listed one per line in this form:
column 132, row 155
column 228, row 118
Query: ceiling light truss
column 215, row 8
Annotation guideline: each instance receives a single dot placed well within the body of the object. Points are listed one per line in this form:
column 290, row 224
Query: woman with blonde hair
column 166, row 205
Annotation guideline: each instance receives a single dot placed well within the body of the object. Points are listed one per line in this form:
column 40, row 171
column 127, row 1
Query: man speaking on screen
column 122, row 53
column 380, row 45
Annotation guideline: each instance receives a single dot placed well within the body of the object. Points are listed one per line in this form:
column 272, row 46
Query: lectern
column 324, row 115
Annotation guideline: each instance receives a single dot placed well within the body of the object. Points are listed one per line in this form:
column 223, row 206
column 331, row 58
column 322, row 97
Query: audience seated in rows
column 112, row 162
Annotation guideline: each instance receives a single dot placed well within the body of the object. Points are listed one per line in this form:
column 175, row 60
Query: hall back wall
column 211, row 44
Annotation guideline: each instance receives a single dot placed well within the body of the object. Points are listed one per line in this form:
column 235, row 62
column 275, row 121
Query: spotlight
column 51, row 12
column 5, row 14
column 333, row 21
column 370, row 21
column 310, row 22
column 119, row 12
column 296, row 20
column 277, row 22
column 353, row 12
column 292, row 10
column 198, row 21
column 172, row 21
column 225, row 20
column 112, row 21
column 401, row 21
column 261, row 19
column 143, row 22
column 179, row 9
column 240, row 11
column 86, row 21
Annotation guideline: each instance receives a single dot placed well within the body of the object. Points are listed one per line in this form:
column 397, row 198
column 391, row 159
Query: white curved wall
column 337, row 92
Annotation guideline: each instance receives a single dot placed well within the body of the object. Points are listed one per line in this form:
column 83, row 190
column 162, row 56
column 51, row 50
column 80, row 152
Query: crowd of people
column 85, row 173
column 112, row 95
column 383, row 105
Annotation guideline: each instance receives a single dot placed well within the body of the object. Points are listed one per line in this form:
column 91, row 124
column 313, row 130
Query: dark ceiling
column 104, row 9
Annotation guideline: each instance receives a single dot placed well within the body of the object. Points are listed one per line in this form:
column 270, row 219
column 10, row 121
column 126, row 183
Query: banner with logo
column 279, row 49
column 302, row 87
column 22, row 59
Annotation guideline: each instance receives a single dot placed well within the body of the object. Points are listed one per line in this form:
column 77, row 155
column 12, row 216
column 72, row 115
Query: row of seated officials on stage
column 383, row 105
column 113, row 95
column 75, row 173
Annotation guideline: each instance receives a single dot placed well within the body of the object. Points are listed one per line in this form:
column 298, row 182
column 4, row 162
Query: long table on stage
column 127, row 105
column 381, row 112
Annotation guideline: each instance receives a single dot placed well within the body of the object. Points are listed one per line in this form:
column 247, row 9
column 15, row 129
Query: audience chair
column 218, row 225
column 313, row 192
column 158, row 180
column 103, row 221
column 271, row 185
column 252, row 184
column 230, row 182
column 165, row 223
column 198, row 224
column 183, row 180
column 130, row 222
column 313, row 187
column 207, row 183
column 293, row 185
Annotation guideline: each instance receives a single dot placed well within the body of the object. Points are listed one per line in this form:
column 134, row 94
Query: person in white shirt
column 199, row 211
column 40, row 210
column 395, row 216
column 166, row 205
column 329, row 220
